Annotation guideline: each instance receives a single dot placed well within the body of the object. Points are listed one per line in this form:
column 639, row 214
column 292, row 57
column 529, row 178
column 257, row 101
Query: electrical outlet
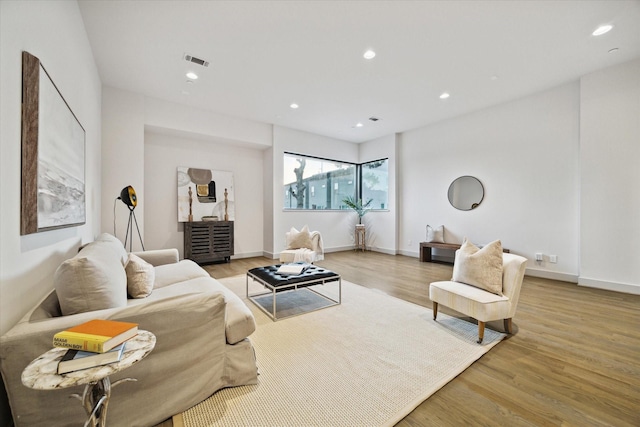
column 409, row 242
column 553, row 259
column 539, row 256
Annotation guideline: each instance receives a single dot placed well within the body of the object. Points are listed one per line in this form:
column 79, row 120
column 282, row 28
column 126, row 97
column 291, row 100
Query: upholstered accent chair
column 302, row 246
column 480, row 304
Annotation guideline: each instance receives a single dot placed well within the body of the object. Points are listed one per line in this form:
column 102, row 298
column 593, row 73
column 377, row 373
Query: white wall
column 336, row 227
column 268, row 189
column 382, row 226
column 164, row 153
column 126, row 116
column 526, row 154
column 54, row 32
column 610, row 179
column 122, row 160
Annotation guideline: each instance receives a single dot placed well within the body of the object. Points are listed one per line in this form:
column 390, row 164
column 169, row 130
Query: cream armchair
column 303, row 246
column 480, row 304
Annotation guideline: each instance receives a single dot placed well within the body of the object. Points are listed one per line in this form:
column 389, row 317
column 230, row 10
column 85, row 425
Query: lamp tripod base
column 129, row 234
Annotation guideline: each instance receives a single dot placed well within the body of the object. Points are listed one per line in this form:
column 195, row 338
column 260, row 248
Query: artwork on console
column 53, row 153
column 201, row 195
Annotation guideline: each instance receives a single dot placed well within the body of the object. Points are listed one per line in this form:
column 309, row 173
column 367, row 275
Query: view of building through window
column 375, row 183
column 322, row 184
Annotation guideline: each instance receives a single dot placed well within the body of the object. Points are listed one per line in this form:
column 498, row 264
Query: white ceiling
column 265, row 55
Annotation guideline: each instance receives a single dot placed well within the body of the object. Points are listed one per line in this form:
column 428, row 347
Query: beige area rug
column 367, row 362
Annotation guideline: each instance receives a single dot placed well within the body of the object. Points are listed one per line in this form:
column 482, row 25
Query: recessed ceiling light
column 369, row 54
column 359, row 125
column 445, row 95
column 192, row 76
column 294, row 105
column 602, row 30
column 614, row 50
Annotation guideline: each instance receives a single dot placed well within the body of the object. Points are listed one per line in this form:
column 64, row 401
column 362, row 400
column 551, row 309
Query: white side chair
column 309, row 255
column 479, row 304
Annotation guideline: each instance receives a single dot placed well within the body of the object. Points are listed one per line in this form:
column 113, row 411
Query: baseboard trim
column 383, row 251
column 338, row 249
column 247, row 255
column 409, row 253
column 555, row 275
column 625, row 288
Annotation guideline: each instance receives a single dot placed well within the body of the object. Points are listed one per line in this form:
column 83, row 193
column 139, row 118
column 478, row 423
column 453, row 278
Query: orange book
column 97, row 336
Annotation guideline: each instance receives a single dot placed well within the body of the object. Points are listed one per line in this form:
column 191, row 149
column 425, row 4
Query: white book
column 292, row 269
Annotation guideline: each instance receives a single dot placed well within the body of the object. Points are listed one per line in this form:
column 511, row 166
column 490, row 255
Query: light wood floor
column 573, row 360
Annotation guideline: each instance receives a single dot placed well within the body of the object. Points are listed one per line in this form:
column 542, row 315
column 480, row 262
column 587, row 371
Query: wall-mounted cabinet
column 208, row 241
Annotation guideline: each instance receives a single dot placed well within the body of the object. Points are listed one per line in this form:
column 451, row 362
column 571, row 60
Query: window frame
column 358, row 177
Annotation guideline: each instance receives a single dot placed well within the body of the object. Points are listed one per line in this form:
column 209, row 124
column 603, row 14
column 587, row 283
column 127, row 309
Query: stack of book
column 293, row 269
column 94, row 343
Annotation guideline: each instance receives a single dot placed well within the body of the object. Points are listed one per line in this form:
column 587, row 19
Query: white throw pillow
column 299, row 239
column 435, row 235
column 140, row 277
column 481, row 268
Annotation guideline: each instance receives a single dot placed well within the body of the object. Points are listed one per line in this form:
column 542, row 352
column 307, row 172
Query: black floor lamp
column 128, row 197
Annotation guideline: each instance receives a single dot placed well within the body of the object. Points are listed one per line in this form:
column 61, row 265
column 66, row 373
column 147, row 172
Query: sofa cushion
column 298, row 255
column 479, row 267
column 140, row 277
column 92, row 280
column 169, row 274
column 299, row 239
column 239, row 321
column 470, row 300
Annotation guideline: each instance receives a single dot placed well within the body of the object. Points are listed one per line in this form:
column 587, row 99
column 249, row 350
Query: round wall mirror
column 466, row 193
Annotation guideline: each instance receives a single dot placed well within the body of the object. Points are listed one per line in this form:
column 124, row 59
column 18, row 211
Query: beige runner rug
column 367, row 362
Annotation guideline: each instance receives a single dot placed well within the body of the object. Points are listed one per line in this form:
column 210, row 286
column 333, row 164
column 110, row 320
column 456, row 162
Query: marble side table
column 41, row 374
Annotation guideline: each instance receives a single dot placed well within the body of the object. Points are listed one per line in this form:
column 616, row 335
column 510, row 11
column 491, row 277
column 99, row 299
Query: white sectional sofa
column 201, row 330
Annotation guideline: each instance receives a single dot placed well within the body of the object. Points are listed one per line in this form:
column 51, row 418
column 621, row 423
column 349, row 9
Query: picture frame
column 205, row 195
column 53, row 155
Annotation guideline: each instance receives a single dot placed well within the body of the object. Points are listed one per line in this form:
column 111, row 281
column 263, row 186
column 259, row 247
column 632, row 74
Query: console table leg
column 425, row 254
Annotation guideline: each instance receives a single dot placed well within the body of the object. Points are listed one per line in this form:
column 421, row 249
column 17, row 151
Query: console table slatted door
column 208, row 241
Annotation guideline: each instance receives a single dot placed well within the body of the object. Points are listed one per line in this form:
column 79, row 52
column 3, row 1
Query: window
column 321, row 184
column 313, row 183
column 375, row 183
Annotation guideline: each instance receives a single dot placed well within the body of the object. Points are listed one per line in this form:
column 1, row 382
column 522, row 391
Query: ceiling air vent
column 196, row 60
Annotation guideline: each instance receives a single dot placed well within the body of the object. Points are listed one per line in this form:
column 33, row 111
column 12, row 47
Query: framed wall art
column 205, row 195
column 53, row 155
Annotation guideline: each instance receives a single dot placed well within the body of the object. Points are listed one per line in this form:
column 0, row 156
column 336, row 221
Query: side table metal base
column 95, row 400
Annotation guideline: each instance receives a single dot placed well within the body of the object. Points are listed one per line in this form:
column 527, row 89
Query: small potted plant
column 356, row 204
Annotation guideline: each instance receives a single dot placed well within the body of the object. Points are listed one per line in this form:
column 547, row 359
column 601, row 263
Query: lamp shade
column 128, row 197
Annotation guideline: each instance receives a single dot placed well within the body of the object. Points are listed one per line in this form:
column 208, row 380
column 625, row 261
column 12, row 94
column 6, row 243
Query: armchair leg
column 435, row 310
column 480, row 331
column 507, row 325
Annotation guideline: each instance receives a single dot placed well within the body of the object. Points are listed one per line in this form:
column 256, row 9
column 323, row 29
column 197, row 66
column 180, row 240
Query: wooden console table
column 208, row 241
column 425, row 249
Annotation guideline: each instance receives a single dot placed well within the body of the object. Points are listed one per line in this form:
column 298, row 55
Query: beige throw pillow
column 481, row 268
column 90, row 282
column 435, row 235
column 140, row 277
column 299, row 239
